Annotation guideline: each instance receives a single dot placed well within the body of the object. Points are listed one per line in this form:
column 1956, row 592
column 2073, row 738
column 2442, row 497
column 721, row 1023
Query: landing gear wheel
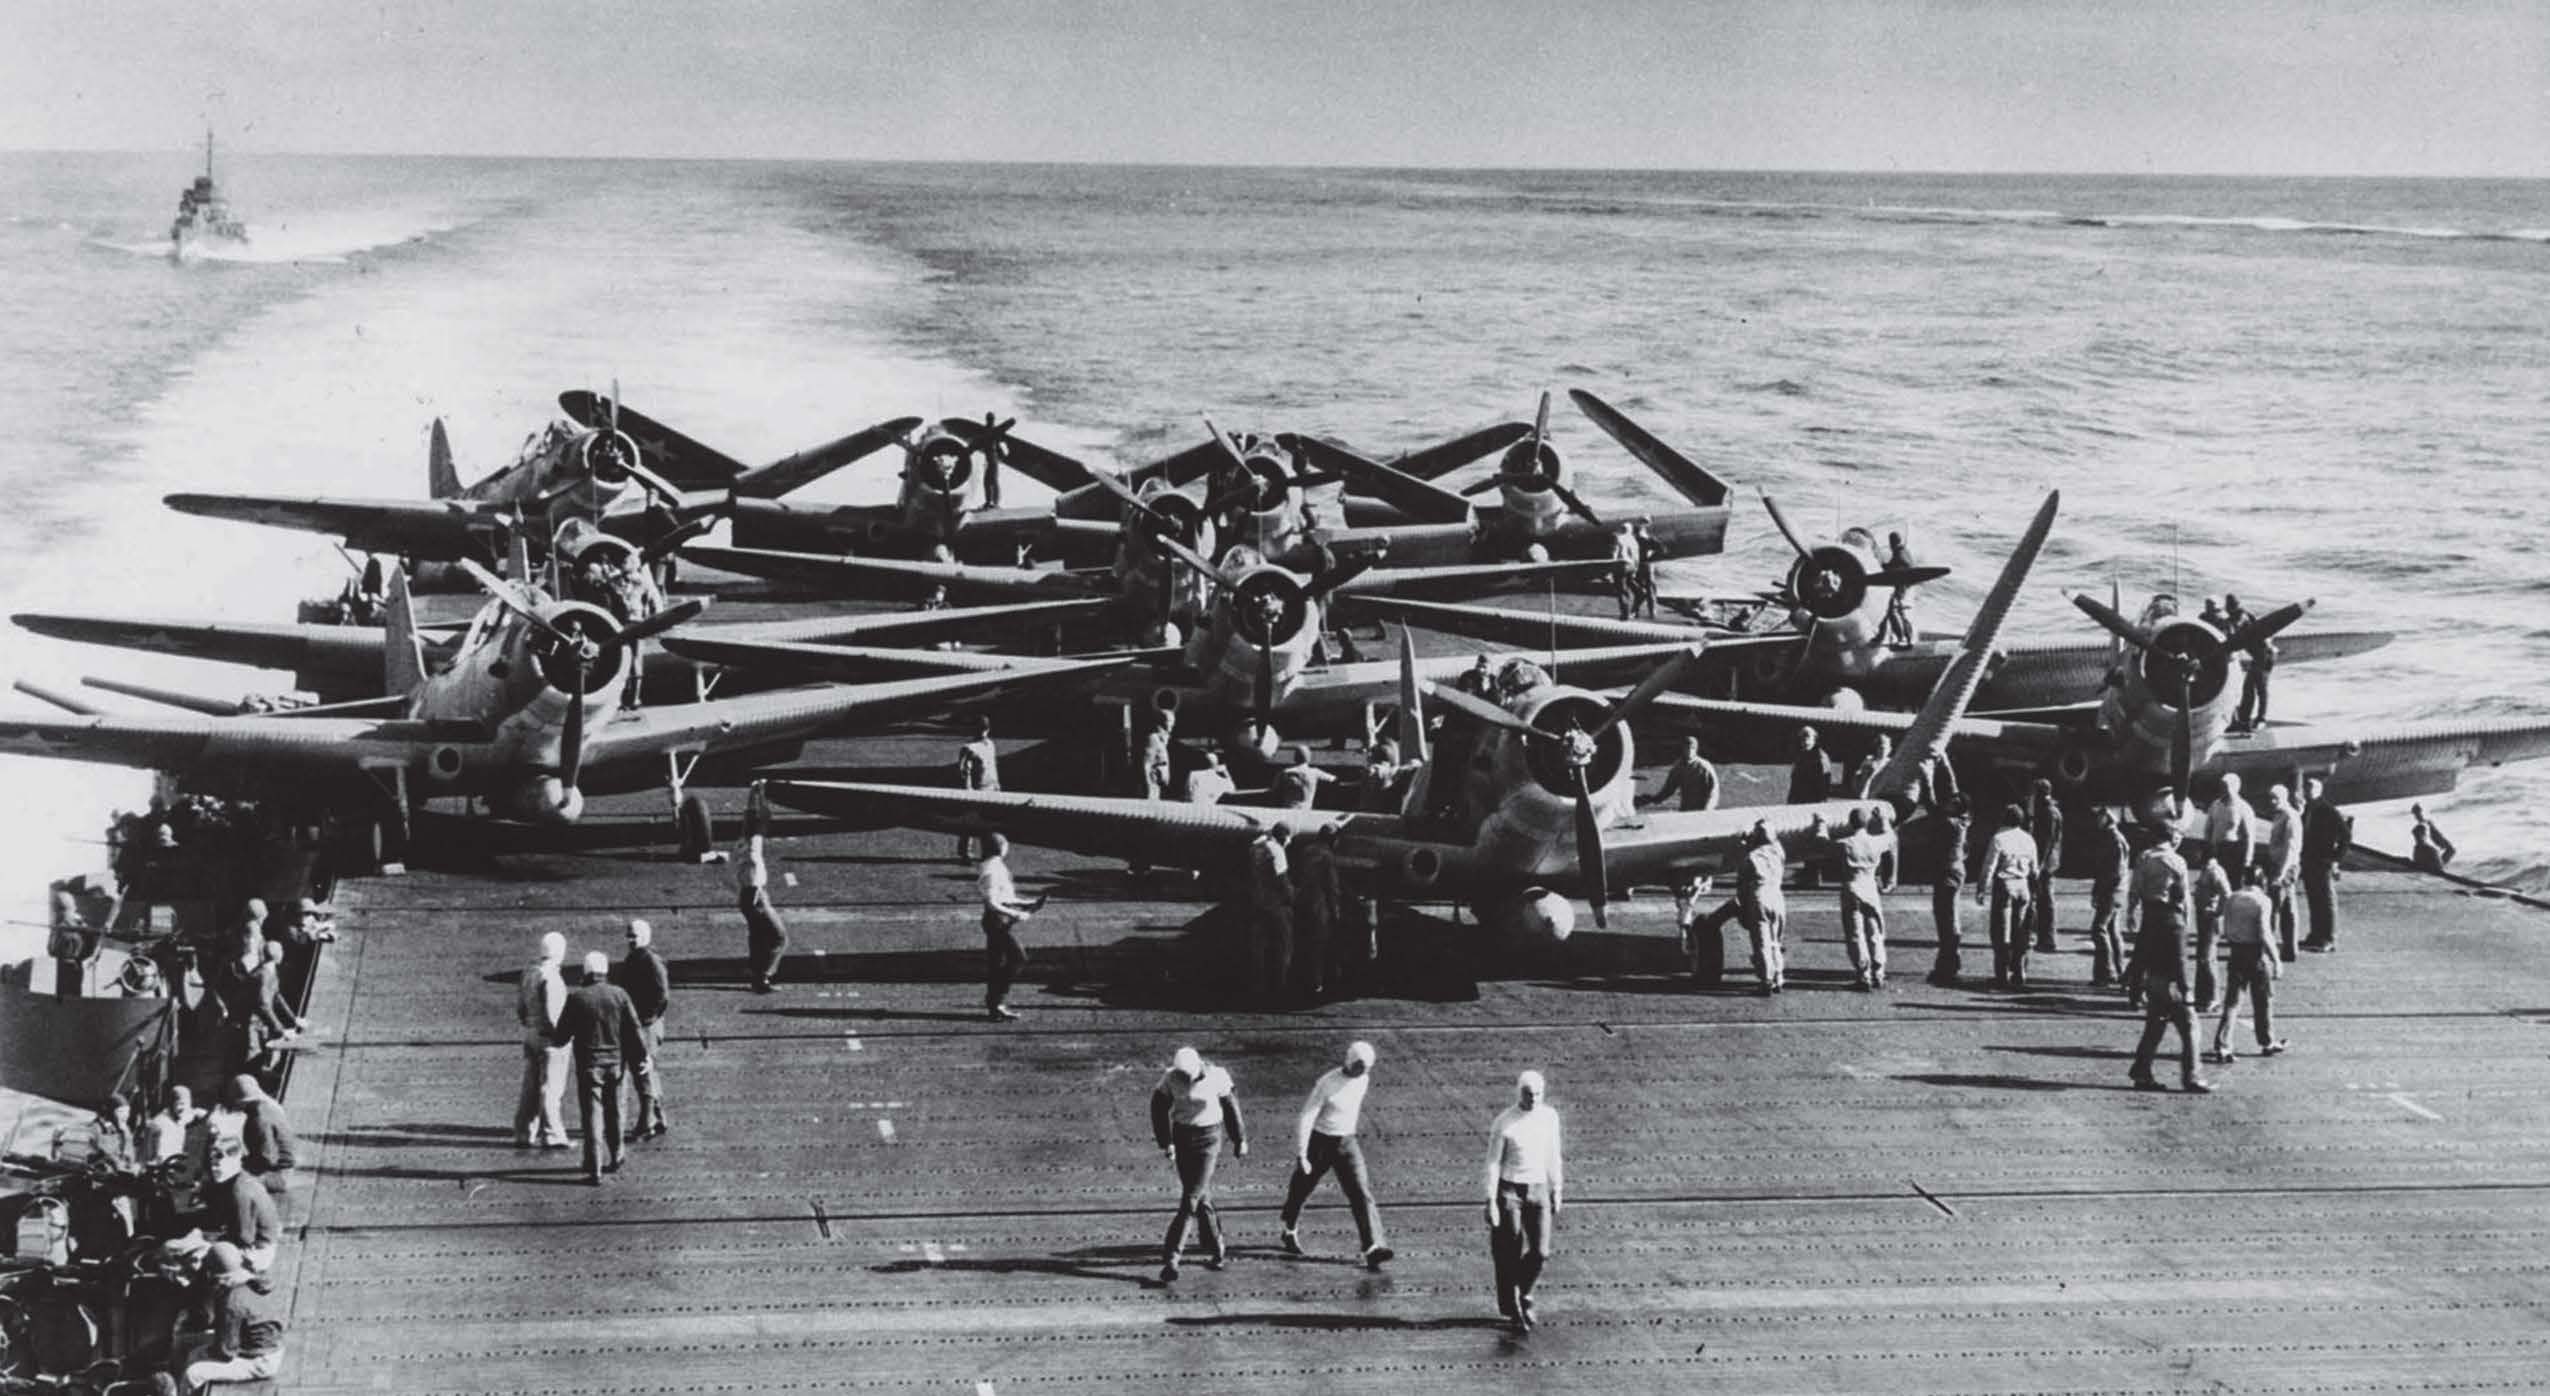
column 697, row 830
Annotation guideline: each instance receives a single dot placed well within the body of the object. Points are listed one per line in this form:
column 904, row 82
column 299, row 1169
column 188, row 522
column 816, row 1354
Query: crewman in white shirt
column 1526, row 1186
column 1324, row 1138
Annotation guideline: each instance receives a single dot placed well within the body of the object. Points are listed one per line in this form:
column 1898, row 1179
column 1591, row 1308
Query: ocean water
column 2336, row 389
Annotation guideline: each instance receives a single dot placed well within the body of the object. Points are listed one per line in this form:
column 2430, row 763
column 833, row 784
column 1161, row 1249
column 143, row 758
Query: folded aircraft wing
column 1347, row 687
column 667, row 452
column 1474, row 578
column 793, row 472
column 1441, row 459
column 1413, row 495
column 1517, row 627
column 1672, row 847
column 441, row 530
column 1046, row 466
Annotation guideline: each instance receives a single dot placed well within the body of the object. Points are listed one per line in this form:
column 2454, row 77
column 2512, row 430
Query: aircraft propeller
column 1258, row 489
column 1578, row 748
column 1540, row 472
column 2191, row 649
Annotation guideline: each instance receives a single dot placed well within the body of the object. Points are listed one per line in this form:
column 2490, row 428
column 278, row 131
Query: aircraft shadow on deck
column 1124, row 1264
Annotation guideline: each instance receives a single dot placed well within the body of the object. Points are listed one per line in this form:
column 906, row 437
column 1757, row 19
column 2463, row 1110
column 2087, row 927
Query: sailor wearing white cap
column 1191, row 1109
column 539, row 1115
column 1324, row 1138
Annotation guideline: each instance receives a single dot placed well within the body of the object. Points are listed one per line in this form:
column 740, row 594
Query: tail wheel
column 697, row 829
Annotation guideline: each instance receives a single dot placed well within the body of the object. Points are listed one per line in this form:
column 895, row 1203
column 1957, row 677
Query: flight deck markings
column 2401, row 1099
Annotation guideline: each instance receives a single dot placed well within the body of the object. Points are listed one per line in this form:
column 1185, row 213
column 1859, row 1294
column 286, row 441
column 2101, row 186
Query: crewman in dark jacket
column 272, row 1150
column 2324, row 842
column 1947, row 881
column 602, row 1025
column 246, row 1342
column 2163, row 903
column 1811, row 778
column 239, row 1210
column 644, row 977
column 2045, row 825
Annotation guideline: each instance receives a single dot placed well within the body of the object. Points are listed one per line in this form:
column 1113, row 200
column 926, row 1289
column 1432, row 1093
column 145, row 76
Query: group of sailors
column 1195, row 1110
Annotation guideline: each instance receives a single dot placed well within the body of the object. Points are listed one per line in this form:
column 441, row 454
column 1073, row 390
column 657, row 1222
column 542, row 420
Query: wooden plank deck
column 868, row 1187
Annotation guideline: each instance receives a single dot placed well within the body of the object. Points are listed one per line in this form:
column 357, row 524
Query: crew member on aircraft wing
column 1898, row 626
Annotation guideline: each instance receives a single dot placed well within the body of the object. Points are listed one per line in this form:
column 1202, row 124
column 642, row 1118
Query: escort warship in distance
column 203, row 216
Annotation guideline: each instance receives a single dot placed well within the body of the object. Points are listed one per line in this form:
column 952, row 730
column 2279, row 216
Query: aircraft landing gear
column 697, row 831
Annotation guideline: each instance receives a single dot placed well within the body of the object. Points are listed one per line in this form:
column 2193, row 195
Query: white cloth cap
column 1360, row 1052
column 641, row 933
column 1531, row 1081
column 1188, row 1063
column 595, row 962
column 553, row 948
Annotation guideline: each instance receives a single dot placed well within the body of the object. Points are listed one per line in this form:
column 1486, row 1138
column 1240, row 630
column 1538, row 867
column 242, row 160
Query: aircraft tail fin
column 442, row 478
column 402, row 653
column 1928, row 737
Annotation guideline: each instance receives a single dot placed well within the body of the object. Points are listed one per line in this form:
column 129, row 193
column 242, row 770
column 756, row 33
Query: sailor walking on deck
column 2045, row 825
column 648, row 981
column 765, row 935
column 539, row 1113
column 1193, row 1109
column 1526, row 1187
column 2163, row 902
column 1003, row 957
column 1324, row 1138
column 2009, row 863
column 2247, row 925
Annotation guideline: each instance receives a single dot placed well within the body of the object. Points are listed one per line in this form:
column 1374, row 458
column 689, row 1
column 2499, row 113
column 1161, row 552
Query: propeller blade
column 1590, row 863
column 1483, row 486
column 656, row 485
column 1905, row 576
column 615, row 402
column 2263, row 627
column 571, row 742
column 1574, row 505
column 1265, row 687
column 2115, row 623
column 1540, row 429
column 1412, row 713
column 1230, row 447
column 654, row 625
column 1124, row 494
column 2182, row 746
column 1191, row 558
column 1486, row 712
column 1781, row 521
column 1661, row 678
column 514, row 599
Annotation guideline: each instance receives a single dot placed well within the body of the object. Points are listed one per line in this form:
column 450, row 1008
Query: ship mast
column 208, row 152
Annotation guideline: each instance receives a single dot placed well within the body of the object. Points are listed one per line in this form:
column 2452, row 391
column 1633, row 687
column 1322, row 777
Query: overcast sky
column 2271, row 86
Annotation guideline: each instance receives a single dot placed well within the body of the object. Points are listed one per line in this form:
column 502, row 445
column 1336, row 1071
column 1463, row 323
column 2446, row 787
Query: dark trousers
column 2011, row 917
column 1945, row 911
column 2253, row 698
column 650, row 1080
column 765, row 938
column 2041, row 909
column 598, row 1102
column 2248, row 971
column 1340, row 1152
column 2107, row 950
column 1520, row 1242
column 1003, row 958
column 2281, row 899
column 2319, row 889
column 1198, row 1148
column 2165, row 1007
column 2208, row 935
